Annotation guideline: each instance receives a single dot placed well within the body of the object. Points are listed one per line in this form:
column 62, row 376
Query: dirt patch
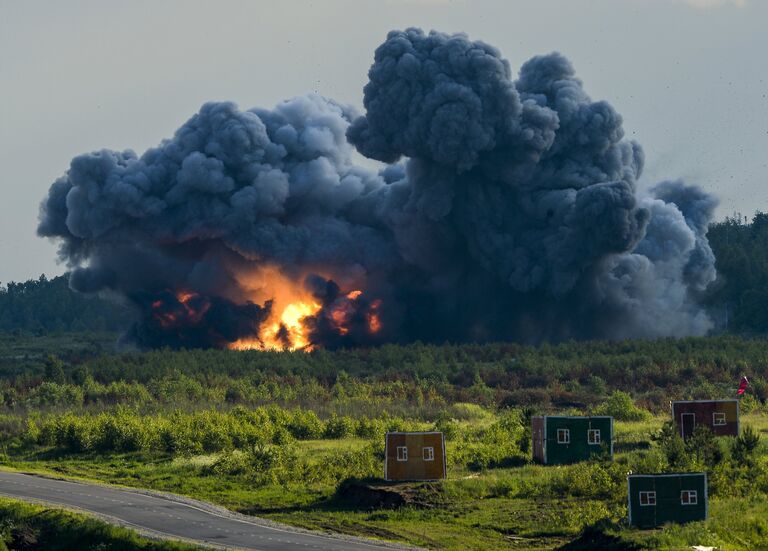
column 377, row 494
column 594, row 538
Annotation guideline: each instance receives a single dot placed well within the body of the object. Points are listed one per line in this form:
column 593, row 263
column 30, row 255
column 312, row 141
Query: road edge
column 205, row 506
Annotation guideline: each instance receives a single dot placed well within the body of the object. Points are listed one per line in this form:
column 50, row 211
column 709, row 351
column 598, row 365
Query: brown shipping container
column 720, row 416
column 414, row 456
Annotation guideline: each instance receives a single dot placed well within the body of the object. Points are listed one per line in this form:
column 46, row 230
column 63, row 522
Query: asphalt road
column 166, row 517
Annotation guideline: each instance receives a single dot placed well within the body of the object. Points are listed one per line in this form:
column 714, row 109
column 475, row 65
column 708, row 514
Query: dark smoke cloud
column 511, row 211
column 194, row 322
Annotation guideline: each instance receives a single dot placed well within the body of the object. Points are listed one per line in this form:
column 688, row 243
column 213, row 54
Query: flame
column 291, row 304
column 185, row 296
column 373, row 318
column 169, row 315
column 342, row 312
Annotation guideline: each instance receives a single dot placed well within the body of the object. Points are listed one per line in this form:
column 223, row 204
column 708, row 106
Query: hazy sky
column 690, row 78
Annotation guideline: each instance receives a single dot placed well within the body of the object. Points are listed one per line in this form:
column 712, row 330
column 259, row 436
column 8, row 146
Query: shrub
column 233, row 395
column 646, row 461
column 449, row 427
column 744, row 446
column 305, row 425
column 673, row 447
column 748, row 403
column 620, row 406
column 704, row 449
column 356, row 463
column 120, row 431
column 281, row 436
column 463, row 411
column 370, row 428
column 68, row 432
column 593, row 480
column 339, row 427
column 231, row 462
column 495, row 446
column 271, row 464
column 176, row 437
column 55, row 394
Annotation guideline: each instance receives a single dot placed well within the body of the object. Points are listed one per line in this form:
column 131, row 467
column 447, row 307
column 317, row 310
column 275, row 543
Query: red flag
column 743, row 385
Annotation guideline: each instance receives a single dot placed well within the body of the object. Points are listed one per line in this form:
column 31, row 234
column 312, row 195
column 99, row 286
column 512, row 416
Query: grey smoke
column 509, row 210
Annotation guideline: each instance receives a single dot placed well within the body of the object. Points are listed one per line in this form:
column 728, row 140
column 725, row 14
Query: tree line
column 48, row 305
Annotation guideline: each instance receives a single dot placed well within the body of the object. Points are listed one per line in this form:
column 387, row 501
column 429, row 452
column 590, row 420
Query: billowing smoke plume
column 509, row 210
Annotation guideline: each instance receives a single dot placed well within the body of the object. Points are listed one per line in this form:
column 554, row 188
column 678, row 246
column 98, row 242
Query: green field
column 278, row 434
column 523, row 507
column 25, row 526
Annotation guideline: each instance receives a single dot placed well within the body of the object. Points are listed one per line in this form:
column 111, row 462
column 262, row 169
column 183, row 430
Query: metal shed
column 560, row 439
column 414, row 456
column 654, row 499
column 720, row 416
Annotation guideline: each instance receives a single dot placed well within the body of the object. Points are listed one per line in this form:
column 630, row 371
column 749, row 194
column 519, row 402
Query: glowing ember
column 374, row 321
column 188, row 308
column 342, row 312
column 184, row 296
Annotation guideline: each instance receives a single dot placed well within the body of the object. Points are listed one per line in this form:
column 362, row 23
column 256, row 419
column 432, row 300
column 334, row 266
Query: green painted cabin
column 655, row 499
column 558, row 440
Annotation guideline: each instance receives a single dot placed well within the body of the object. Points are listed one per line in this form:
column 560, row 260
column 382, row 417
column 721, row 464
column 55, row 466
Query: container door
column 689, row 423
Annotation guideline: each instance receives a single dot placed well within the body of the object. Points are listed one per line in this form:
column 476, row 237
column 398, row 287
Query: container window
column 593, row 436
column 647, row 498
column 402, row 453
column 718, row 418
column 563, row 436
column 689, row 497
column 429, row 454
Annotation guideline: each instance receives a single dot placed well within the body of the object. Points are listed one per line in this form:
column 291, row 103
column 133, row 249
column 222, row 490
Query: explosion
column 291, row 304
column 292, row 313
column 286, row 333
column 510, row 209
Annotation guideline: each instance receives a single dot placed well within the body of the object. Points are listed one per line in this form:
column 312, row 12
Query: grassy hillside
column 491, row 500
column 282, row 434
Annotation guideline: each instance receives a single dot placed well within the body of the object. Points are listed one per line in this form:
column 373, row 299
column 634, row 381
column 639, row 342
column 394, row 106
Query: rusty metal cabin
column 720, row 416
column 414, row 456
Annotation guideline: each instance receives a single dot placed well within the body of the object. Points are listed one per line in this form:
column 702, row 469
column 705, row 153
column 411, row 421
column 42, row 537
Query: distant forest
column 48, row 305
column 738, row 300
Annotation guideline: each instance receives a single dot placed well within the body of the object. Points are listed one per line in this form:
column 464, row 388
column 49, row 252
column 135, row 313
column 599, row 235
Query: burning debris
column 514, row 215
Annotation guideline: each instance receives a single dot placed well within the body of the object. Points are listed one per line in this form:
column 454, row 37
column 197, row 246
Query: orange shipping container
column 414, row 456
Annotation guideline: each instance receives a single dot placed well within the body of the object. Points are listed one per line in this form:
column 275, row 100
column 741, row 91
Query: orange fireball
column 291, row 304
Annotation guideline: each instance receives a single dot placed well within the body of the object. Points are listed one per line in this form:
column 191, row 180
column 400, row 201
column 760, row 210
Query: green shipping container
column 654, row 499
column 558, row 440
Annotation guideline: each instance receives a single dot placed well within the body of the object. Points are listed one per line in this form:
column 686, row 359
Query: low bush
column 620, row 406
